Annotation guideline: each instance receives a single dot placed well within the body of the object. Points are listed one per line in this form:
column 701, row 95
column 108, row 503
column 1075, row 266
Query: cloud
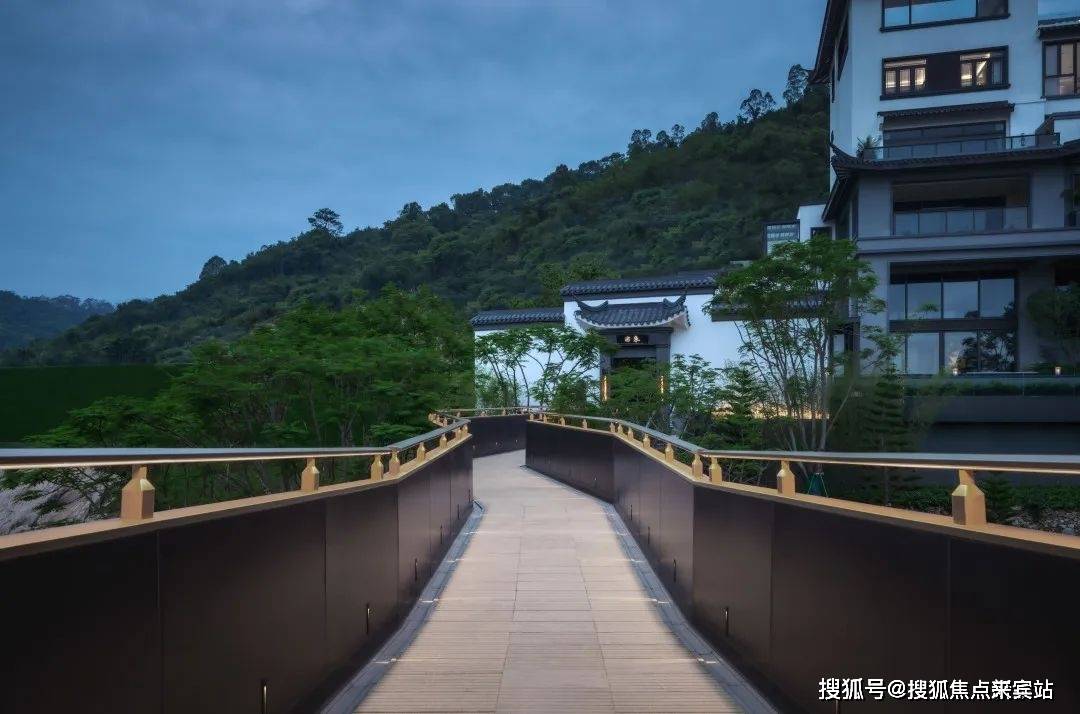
column 142, row 136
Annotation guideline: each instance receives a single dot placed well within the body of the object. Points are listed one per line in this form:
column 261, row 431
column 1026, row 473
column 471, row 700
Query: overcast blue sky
column 140, row 137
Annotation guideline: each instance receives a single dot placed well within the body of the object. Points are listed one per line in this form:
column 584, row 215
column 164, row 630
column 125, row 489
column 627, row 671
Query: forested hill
column 681, row 199
column 23, row 319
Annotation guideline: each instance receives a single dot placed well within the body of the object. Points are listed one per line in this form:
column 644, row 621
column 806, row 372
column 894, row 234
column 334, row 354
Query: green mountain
column 677, row 200
column 24, row 319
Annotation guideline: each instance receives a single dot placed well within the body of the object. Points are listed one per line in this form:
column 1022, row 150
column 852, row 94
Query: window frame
column 911, row 324
column 930, row 62
column 995, row 57
column 911, row 26
column 1075, row 74
column 942, row 357
column 909, row 64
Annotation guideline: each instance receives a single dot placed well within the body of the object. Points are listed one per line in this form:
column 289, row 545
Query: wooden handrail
column 137, row 496
column 968, row 501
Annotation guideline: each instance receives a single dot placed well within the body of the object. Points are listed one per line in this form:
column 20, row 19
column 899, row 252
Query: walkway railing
column 137, row 496
column 968, row 500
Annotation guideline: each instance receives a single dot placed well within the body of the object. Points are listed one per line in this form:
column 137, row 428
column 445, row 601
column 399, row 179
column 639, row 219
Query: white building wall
column 809, row 217
column 869, row 46
column 716, row 342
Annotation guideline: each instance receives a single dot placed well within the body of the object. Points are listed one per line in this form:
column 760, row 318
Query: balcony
column 962, row 147
column 945, row 221
column 546, row 597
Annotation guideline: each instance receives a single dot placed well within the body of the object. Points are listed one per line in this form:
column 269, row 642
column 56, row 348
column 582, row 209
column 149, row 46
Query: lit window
column 982, row 69
column 905, row 76
column 1059, row 69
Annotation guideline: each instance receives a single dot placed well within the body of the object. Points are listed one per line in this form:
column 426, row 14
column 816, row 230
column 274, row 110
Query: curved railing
column 968, row 501
column 137, row 497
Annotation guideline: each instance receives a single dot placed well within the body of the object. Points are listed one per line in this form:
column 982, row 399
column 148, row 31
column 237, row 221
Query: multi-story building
column 955, row 166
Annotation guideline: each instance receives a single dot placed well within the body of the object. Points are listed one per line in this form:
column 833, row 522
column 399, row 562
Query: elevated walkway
column 546, row 612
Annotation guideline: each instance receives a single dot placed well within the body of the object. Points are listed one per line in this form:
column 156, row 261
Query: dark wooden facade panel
column 733, row 571
column 1025, row 602
column 676, row 553
column 414, row 534
column 81, row 628
column 461, row 485
column 242, row 601
column 626, row 476
column 497, row 434
column 855, row 598
column 361, row 572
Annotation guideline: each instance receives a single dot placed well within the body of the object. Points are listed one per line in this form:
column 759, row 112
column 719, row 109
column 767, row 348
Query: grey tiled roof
column 518, row 316
column 635, row 314
column 678, row 282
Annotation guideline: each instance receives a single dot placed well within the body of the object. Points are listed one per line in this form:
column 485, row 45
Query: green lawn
column 35, row 399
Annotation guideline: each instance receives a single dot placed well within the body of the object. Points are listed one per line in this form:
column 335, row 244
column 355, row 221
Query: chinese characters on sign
column 632, row 339
column 838, row 689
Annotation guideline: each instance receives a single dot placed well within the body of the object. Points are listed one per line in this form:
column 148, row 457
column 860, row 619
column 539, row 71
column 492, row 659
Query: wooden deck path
column 544, row 613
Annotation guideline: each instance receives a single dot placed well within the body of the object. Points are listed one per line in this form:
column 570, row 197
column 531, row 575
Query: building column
column 880, row 266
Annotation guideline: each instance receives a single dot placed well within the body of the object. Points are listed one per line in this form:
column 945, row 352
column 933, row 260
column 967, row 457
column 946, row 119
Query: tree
column 790, row 304
column 640, row 140
column 212, row 267
column 327, row 221
column 1056, row 315
column 756, row 105
column 711, row 122
column 884, row 426
column 694, row 388
column 797, row 79
column 741, row 424
column 559, row 358
column 367, row 374
column 553, row 276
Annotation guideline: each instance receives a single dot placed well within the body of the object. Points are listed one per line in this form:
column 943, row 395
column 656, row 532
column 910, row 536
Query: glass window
column 961, row 351
column 996, row 297
column 896, row 13
column 997, row 351
column 907, row 224
column 941, row 10
column 961, row 299
column 923, row 353
column 899, row 13
column 924, row 300
column 904, row 76
column 960, row 220
column 1059, row 69
column 932, row 222
column 897, row 301
column 982, row 69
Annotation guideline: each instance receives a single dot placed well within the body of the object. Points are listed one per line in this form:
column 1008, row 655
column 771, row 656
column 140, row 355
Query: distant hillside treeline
column 677, row 200
column 24, row 319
